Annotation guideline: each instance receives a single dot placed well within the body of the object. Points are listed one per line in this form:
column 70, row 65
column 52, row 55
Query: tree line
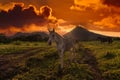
column 29, row 37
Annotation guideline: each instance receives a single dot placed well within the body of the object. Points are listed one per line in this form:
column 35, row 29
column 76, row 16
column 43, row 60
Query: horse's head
column 51, row 36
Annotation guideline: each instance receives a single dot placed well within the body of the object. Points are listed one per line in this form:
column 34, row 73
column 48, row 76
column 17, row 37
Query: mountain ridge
column 82, row 34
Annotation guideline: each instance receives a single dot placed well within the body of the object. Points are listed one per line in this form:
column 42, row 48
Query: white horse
column 62, row 43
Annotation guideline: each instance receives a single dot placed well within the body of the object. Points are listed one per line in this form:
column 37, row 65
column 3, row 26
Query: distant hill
column 80, row 33
column 34, row 36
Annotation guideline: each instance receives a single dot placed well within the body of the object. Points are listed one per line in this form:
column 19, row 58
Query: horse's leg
column 59, row 52
column 73, row 56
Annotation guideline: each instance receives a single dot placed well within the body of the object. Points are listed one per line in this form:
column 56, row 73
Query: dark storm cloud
column 37, row 3
column 112, row 2
column 45, row 11
column 18, row 16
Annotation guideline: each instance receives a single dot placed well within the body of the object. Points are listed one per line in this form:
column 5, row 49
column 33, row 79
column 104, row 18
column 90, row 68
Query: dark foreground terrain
column 38, row 61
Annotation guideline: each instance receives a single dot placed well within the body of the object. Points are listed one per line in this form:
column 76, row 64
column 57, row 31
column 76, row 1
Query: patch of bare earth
column 11, row 64
column 90, row 59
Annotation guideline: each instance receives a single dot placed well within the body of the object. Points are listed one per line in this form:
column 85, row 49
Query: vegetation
column 31, row 37
column 108, row 58
column 18, row 47
column 37, row 61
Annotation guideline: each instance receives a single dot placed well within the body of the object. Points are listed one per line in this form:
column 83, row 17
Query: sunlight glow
column 107, row 33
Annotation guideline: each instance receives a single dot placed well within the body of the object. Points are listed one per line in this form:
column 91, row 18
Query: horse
column 63, row 44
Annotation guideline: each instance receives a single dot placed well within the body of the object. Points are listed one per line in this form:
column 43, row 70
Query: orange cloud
column 64, row 26
column 18, row 16
column 111, row 23
column 27, row 28
column 112, row 2
column 9, row 6
column 99, row 13
column 82, row 5
column 30, row 19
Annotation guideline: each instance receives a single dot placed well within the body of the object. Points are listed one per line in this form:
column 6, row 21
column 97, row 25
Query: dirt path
column 12, row 62
column 89, row 59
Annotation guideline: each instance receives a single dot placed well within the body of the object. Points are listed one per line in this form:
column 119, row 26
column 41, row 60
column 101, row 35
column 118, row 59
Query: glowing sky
column 32, row 15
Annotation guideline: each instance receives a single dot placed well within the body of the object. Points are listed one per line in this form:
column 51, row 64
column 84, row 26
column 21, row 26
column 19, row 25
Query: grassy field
column 18, row 47
column 108, row 58
column 38, row 61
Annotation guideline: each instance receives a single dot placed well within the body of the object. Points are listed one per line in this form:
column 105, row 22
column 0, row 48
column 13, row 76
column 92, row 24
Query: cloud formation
column 101, row 14
column 83, row 5
column 20, row 16
column 110, row 23
column 105, row 14
column 112, row 2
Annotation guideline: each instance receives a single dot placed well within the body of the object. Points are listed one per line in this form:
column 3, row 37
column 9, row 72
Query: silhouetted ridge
column 80, row 33
column 34, row 36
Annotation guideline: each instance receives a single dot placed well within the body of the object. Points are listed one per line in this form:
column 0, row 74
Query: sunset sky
column 64, row 15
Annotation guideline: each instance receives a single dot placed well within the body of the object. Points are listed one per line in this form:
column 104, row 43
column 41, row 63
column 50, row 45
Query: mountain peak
column 79, row 28
column 80, row 33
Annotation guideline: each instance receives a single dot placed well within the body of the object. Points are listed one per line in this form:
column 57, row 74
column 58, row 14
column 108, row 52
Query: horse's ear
column 49, row 29
column 53, row 30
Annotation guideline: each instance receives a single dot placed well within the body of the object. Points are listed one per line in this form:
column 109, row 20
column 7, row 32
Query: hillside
column 21, row 36
column 40, row 35
column 80, row 33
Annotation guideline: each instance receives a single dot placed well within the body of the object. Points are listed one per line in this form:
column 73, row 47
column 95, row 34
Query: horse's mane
column 59, row 35
column 66, row 39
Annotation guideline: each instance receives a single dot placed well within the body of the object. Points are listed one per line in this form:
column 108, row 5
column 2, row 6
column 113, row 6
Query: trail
column 90, row 59
column 12, row 62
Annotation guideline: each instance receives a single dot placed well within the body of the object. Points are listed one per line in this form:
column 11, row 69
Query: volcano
column 82, row 34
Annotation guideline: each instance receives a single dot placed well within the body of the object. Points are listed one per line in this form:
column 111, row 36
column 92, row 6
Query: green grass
column 108, row 57
column 18, row 47
column 44, row 65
